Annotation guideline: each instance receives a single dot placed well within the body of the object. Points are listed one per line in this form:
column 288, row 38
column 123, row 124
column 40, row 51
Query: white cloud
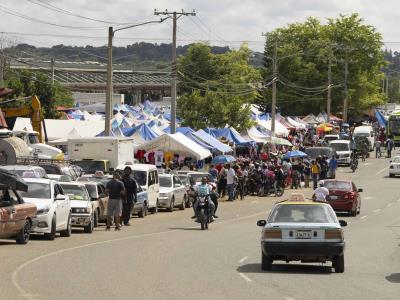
column 231, row 20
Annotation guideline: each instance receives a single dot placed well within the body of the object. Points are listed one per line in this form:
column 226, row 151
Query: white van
column 343, row 151
column 368, row 132
column 147, row 177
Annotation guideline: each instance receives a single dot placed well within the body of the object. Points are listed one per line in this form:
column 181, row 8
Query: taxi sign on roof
column 297, row 197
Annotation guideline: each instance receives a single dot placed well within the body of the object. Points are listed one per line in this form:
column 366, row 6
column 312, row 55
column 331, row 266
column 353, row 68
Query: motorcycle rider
column 321, row 193
column 204, row 189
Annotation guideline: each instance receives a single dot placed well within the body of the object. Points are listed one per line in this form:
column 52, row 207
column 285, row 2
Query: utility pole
column 346, row 88
column 52, row 70
column 387, row 86
column 275, row 74
column 175, row 16
column 328, row 104
column 2, row 66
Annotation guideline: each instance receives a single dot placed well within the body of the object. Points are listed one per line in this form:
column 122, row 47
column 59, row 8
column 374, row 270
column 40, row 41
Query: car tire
column 51, row 236
column 391, row 175
column 23, row 235
column 266, row 262
column 188, row 203
column 353, row 213
column 183, row 204
column 171, row 205
column 155, row 209
column 338, row 263
column 89, row 228
column 143, row 212
column 96, row 218
column 67, row 232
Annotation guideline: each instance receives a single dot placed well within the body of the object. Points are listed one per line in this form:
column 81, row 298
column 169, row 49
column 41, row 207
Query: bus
column 393, row 127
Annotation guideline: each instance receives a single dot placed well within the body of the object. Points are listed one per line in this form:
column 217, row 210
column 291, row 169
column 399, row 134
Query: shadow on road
column 393, row 278
column 287, row 268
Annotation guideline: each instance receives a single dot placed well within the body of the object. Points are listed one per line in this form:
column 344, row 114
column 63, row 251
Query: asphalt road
column 166, row 256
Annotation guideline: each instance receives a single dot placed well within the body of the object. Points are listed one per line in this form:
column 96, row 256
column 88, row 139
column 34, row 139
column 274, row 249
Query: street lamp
column 110, row 87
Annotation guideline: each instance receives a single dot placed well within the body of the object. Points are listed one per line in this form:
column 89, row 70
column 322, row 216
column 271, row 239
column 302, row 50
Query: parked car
column 365, row 131
column 141, row 206
column 53, row 207
column 331, row 137
column 83, row 209
column 97, row 193
column 19, row 170
column 60, row 169
column 314, row 152
column 343, row 151
column 344, row 196
column 394, row 168
column 302, row 231
column 172, row 192
column 16, row 216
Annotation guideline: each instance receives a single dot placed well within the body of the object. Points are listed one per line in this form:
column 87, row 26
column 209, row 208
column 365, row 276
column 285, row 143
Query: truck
column 101, row 153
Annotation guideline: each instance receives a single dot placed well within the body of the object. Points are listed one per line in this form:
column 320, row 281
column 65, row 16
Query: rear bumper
column 304, row 249
column 342, row 205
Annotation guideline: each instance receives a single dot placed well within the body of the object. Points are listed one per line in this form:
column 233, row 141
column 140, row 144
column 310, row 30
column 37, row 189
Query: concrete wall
column 92, row 98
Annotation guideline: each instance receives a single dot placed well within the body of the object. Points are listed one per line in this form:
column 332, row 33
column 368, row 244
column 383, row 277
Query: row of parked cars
column 34, row 201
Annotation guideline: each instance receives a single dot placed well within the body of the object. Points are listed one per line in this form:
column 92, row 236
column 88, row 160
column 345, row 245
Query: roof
column 301, row 203
column 39, row 180
column 75, row 183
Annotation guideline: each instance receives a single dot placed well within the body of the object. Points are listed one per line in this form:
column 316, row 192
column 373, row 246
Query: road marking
column 363, row 217
column 243, row 259
column 289, row 298
column 245, row 277
column 377, row 210
column 368, row 198
column 381, row 171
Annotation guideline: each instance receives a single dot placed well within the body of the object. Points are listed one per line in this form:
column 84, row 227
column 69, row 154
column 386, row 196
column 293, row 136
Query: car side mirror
column 360, row 190
column 261, row 223
column 177, row 185
column 60, row 197
column 343, row 223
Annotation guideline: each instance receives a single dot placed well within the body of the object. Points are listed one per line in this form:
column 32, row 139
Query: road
column 166, row 256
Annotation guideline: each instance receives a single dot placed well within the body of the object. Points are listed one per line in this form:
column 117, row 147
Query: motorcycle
column 203, row 211
column 253, row 186
column 354, row 164
column 268, row 190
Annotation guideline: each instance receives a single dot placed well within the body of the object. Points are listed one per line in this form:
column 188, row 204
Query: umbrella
column 295, row 153
column 325, row 127
column 12, row 181
column 223, row 159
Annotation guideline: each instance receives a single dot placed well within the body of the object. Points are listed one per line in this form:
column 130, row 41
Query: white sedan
column 172, row 192
column 394, row 168
column 53, row 207
column 82, row 209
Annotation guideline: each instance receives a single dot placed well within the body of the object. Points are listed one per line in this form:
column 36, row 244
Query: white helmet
column 321, row 183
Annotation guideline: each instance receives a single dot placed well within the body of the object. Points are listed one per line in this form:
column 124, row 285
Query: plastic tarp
column 310, row 119
column 64, row 141
column 280, row 130
column 209, row 139
column 229, row 134
column 140, row 134
column 380, row 118
column 176, row 143
column 182, row 130
column 254, row 135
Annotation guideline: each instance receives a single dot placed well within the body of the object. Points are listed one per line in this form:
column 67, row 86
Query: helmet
column 321, row 183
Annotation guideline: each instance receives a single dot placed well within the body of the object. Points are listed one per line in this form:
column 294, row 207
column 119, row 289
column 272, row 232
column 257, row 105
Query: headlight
column 82, row 210
column 43, row 210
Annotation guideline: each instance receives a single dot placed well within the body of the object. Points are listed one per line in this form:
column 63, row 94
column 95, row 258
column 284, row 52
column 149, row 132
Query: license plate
column 333, row 197
column 303, row 234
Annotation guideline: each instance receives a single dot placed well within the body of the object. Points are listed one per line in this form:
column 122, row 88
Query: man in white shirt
column 321, row 192
column 230, row 181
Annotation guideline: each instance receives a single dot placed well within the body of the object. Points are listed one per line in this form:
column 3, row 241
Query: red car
column 344, row 196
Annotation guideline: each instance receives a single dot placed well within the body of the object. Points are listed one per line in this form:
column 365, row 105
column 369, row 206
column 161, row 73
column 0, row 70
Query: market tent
column 296, row 124
column 140, row 134
column 380, row 118
column 255, row 135
column 280, row 130
column 310, row 119
column 64, row 141
column 229, row 134
column 209, row 139
column 176, row 143
column 190, row 135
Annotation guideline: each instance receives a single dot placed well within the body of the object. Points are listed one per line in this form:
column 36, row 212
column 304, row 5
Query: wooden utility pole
column 175, row 16
column 52, row 70
column 274, row 79
column 110, row 87
column 346, row 88
column 328, row 104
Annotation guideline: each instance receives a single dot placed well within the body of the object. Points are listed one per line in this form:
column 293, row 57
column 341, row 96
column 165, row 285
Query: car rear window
column 297, row 213
column 37, row 190
column 338, row 185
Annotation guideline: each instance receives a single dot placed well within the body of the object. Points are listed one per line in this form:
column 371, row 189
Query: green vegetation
column 216, row 89
column 303, row 52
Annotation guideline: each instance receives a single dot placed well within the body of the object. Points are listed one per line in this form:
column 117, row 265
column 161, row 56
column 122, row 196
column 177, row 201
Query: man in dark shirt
column 130, row 195
column 115, row 190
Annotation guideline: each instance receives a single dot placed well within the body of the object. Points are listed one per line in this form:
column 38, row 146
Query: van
column 343, row 151
column 366, row 131
column 147, row 177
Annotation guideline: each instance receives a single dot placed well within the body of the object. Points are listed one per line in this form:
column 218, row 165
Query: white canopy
column 295, row 123
column 253, row 134
column 176, row 143
column 279, row 128
column 64, row 140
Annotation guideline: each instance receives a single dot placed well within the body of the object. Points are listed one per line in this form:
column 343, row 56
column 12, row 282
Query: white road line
column 243, row 259
column 377, row 210
column 381, row 171
column 245, row 277
column 363, row 217
column 368, row 198
column 289, row 298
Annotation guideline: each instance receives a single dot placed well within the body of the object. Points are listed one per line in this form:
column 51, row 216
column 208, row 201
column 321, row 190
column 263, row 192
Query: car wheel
column 51, row 236
column 23, row 236
column 67, row 232
column 171, row 205
column 143, row 211
column 89, row 227
column 391, row 175
column 183, row 204
column 338, row 263
column 96, row 218
column 353, row 213
column 266, row 262
column 155, row 209
column 188, row 204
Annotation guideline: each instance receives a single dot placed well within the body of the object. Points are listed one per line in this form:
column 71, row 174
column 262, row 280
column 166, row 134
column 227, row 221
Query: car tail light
column 334, row 234
column 349, row 195
column 274, row 233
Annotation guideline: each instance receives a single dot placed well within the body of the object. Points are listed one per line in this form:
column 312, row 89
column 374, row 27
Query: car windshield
column 183, row 179
column 366, row 134
column 37, row 190
column 51, row 169
column 91, row 166
column 76, row 192
column 92, row 190
column 338, row 185
column 197, row 177
column 298, row 213
column 165, row 181
column 140, row 177
column 340, row 146
column 396, row 160
column 315, row 152
column 330, row 138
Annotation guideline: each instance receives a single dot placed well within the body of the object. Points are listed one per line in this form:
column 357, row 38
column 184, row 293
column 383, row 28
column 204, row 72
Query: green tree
column 303, row 54
column 216, row 89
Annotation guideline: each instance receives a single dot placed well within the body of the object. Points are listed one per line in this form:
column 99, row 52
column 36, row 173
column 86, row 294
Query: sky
column 218, row 22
